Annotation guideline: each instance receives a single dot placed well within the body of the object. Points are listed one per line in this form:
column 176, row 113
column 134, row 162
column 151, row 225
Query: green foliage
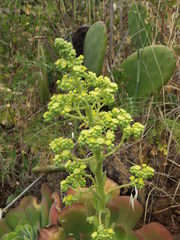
column 148, row 70
column 25, row 232
column 95, row 44
column 139, row 26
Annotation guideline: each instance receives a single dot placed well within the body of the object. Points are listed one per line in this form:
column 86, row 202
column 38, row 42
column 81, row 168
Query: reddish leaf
column 46, row 193
column 109, row 185
column 26, row 201
column 52, row 233
column 123, row 213
column 55, row 209
column 85, row 197
column 154, row 231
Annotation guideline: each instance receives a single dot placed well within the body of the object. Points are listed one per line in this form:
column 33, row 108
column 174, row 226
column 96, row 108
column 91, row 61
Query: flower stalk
column 82, row 98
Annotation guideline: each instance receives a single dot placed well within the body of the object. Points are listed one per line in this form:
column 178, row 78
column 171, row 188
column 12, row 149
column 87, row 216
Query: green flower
column 137, row 129
column 139, row 174
column 103, row 233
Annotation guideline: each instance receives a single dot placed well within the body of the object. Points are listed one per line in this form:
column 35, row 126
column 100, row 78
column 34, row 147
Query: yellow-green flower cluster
column 103, row 95
column 70, row 199
column 124, row 118
column 68, row 61
column 62, row 148
column 66, row 52
column 76, row 178
column 137, row 182
column 94, row 138
column 114, row 118
column 80, row 86
column 135, row 130
column 59, row 105
column 120, row 118
column 103, row 233
column 107, row 120
column 139, row 174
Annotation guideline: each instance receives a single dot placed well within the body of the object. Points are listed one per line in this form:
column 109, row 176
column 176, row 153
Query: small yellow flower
column 110, row 230
column 141, row 181
column 132, row 178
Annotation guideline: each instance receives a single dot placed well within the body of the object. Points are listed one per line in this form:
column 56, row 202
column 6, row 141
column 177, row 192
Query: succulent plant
column 30, row 212
column 22, row 232
column 94, row 47
column 147, row 71
column 78, row 220
column 139, row 25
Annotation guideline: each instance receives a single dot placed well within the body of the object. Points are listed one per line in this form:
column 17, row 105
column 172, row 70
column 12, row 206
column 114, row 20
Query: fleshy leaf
column 74, row 220
column 85, row 197
column 94, row 48
column 124, row 234
column 44, row 212
column 123, row 213
column 3, row 228
column 154, row 231
column 52, row 233
column 15, row 217
column 120, row 232
column 33, row 215
column 109, row 185
column 156, row 65
column 26, row 201
column 10, row 236
column 46, row 193
column 22, row 232
column 55, row 209
column 139, row 26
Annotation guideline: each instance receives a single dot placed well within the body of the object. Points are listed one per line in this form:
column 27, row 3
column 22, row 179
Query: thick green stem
column 75, row 117
column 100, row 179
column 49, row 169
column 89, row 114
column 59, row 168
column 116, row 148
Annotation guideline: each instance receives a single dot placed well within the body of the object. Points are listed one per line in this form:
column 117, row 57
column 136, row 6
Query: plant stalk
column 100, row 181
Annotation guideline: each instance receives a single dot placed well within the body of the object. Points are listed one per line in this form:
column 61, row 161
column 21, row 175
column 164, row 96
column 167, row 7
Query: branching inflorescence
column 82, row 97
